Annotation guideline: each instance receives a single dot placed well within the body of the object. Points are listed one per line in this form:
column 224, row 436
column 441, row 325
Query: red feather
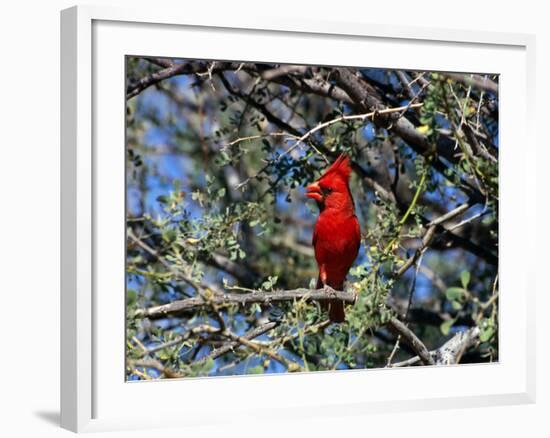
column 337, row 235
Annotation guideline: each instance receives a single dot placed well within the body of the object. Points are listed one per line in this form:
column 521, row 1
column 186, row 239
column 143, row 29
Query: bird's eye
column 327, row 190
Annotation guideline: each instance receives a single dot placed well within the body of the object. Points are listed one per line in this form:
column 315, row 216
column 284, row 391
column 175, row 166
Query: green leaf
column 270, row 282
column 131, row 297
column 164, row 354
column 486, row 334
column 208, row 365
column 256, row 370
column 445, row 326
column 465, row 279
column 162, row 199
column 456, row 305
column 454, row 293
column 488, row 329
column 255, row 308
column 424, row 129
column 169, row 235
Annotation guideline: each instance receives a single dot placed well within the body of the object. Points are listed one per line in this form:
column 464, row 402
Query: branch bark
column 155, row 77
column 476, row 81
column 450, row 352
column 256, row 296
column 412, row 340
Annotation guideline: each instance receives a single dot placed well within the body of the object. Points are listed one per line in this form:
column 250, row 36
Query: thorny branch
column 234, row 341
column 260, row 297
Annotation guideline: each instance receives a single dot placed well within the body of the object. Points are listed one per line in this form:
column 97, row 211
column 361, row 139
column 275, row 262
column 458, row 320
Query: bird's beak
column 313, row 191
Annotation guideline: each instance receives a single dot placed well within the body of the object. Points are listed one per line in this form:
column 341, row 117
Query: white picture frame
column 92, row 387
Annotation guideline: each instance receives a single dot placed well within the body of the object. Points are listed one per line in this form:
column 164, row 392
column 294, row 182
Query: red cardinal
column 337, row 236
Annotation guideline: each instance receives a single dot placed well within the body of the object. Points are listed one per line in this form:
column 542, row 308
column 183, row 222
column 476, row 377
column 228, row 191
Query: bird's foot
column 328, row 290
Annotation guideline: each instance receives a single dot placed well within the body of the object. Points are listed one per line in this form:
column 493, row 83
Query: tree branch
column 283, row 70
column 171, row 69
column 476, row 81
column 450, row 352
column 410, row 338
column 155, row 77
column 157, row 365
column 255, row 296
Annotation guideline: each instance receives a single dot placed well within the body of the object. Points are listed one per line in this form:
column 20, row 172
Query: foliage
column 217, row 156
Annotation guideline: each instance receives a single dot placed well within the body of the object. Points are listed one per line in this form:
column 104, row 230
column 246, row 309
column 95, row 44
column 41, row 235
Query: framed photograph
column 324, row 214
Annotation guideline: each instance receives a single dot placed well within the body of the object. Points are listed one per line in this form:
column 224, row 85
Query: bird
column 337, row 234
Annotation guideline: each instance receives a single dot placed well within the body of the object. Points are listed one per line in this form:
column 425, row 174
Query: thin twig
column 230, row 346
column 480, row 82
column 409, row 303
column 203, row 328
column 263, row 350
column 412, row 340
column 361, row 117
column 157, row 365
column 429, row 235
column 301, row 139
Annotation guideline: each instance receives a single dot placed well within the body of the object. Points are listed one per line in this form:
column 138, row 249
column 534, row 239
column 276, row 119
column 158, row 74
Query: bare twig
column 406, row 82
column 429, row 235
column 476, row 81
column 157, row 365
column 301, row 139
column 467, row 221
column 412, row 340
column 450, row 215
column 264, row 350
column 203, row 328
column 230, row 346
column 361, row 117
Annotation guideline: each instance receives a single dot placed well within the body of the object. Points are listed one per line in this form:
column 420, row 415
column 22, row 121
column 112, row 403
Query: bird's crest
column 341, row 167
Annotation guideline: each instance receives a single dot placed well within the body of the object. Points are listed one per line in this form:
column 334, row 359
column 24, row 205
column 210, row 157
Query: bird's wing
column 314, row 238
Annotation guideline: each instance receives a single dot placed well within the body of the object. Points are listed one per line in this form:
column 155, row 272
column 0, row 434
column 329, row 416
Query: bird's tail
column 336, row 311
column 335, row 307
